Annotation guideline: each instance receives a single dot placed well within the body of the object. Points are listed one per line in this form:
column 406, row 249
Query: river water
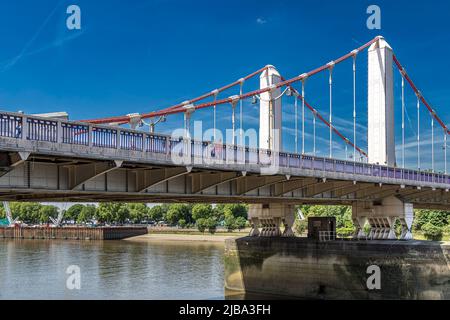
column 36, row 269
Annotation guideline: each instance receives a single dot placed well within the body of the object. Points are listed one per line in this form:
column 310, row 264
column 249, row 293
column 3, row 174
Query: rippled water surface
column 35, row 269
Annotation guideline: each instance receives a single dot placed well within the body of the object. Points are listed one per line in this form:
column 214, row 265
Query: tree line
column 433, row 224
column 205, row 217
column 202, row 216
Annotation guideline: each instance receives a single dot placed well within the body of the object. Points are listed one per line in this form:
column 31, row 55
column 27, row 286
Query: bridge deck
column 50, row 159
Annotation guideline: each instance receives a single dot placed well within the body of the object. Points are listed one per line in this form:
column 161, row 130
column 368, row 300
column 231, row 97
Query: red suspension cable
column 167, row 111
column 335, row 130
column 419, row 94
column 181, row 107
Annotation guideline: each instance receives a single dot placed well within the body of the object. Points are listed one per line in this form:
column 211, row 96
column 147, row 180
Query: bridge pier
column 270, row 217
column 381, row 216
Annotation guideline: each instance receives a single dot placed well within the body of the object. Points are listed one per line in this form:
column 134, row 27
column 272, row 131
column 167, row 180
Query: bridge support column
column 381, row 137
column 270, row 217
column 381, row 217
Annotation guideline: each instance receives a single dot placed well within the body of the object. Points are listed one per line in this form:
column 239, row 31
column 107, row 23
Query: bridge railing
column 102, row 136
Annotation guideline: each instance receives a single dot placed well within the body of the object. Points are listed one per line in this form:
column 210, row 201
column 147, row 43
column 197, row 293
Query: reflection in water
column 35, row 269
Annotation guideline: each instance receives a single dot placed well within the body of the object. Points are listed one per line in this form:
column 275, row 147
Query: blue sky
column 141, row 55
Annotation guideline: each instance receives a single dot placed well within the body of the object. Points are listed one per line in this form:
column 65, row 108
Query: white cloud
column 261, row 21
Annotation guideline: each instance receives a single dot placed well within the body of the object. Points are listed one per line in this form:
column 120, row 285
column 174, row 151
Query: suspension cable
column 216, row 93
column 241, row 120
column 331, row 65
column 233, row 118
column 303, row 116
column 445, row 152
column 314, row 133
column 403, row 122
column 432, row 144
column 418, row 132
column 354, row 107
column 180, row 107
column 318, row 115
column 296, row 123
column 421, row 97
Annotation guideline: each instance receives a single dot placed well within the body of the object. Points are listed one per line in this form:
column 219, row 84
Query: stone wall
column 72, row 233
column 298, row 267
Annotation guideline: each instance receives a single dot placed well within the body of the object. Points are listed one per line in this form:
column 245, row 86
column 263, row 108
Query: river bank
column 158, row 234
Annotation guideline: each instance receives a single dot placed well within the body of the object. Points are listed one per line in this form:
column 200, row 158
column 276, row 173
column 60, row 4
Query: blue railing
column 72, row 133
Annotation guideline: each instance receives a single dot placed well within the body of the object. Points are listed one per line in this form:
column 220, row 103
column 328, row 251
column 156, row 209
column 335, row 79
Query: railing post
column 90, row 136
column 59, row 132
column 24, row 127
column 117, row 139
column 167, row 147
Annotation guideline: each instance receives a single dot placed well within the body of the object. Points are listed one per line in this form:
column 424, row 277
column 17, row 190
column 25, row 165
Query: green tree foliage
column 434, row 217
column 27, row 212
column 138, row 212
column 202, row 224
column 234, row 216
column 177, row 212
column 112, row 212
column 202, row 211
column 432, row 232
column 343, row 214
column 182, row 223
column 211, row 224
column 45, row 212
column 157, row 213
column 2, row 212
column 87, row 213
column 240, row 223
column 73, row 212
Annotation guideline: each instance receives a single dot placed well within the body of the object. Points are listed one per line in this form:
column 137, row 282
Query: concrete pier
column 72, row 233
column 302, row 268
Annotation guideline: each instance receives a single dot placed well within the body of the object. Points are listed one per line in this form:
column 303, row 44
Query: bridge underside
column 53, row 178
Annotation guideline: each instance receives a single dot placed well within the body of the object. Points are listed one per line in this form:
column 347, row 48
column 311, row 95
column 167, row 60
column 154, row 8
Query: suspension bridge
column 46, row 158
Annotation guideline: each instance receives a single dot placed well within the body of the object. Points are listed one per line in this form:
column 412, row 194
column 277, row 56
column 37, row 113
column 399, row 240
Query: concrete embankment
column 72, row 233
column 303, row 268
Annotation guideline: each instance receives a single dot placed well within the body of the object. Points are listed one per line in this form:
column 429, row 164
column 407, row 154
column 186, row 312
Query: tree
column 112, row 212
column 202, row 224
column 157, row 213
column 234, row 216
column 211, row 224
column 177, row 212
column 86, row 214
column 202, row 211
column 138, row 212
column 432, row 232
column 182, row 223
column 343, row 214
column 434, row 217
column 73, row 212
column 236, row 210
column 230, row 223
column 45, row 212
column 240, row 223
column 28, row 212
